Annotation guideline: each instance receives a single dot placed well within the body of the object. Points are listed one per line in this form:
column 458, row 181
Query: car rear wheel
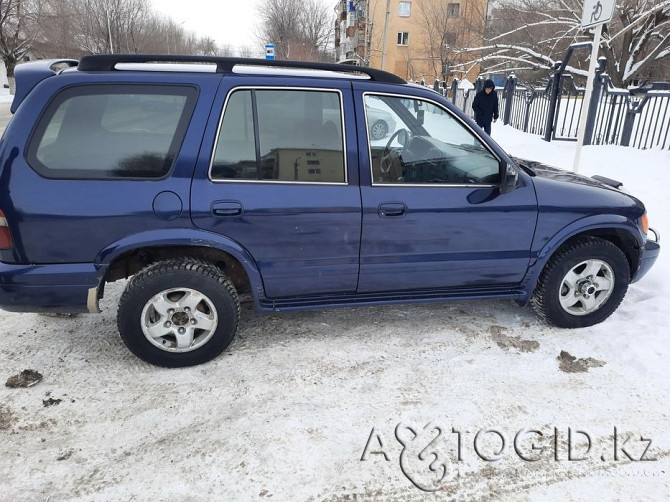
column 582, row 284
column 179, row 312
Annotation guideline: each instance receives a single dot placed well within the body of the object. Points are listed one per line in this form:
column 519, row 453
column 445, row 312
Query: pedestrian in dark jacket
column 485, row 106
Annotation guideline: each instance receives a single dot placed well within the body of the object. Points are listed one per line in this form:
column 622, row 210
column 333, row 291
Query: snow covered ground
column 288, row 412
column 5, row 97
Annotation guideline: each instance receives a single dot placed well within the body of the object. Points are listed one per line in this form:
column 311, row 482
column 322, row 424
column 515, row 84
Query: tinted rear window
column 104, row 131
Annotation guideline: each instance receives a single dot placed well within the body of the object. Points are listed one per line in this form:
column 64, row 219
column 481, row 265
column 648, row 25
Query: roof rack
column 108, row 62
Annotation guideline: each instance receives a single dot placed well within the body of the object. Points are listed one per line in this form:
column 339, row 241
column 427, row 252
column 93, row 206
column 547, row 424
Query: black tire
column 379, row 130
column 546, row 299
column 219, row 307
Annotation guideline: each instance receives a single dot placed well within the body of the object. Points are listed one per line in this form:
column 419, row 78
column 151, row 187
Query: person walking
column 485, row 106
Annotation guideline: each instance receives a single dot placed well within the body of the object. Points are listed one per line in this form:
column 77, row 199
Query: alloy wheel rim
column 586, row 287
column 179, row 320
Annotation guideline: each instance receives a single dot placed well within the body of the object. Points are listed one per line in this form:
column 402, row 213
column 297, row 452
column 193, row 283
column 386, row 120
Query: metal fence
column 639, row 118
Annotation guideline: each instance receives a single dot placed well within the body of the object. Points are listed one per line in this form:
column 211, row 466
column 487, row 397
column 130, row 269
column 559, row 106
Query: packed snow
column 305, row 406
column 5, row 96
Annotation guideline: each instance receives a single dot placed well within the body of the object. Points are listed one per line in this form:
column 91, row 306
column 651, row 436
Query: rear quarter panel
column 70, row 220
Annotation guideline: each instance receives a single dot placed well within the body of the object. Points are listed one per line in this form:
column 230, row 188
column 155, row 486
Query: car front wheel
column 582, row 284
column 179, row 312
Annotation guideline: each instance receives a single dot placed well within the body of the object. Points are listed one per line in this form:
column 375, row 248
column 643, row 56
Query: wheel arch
column 623, row 239
column 127, row 257
column 621, row 233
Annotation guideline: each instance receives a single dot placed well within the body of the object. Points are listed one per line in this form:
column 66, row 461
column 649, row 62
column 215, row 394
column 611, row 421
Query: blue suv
column 306, row 185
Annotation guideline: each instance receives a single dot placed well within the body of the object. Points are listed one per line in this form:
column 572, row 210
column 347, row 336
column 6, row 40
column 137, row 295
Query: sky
column 225, row 21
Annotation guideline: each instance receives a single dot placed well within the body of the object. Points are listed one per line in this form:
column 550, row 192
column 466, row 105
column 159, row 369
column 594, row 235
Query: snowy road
column 287, row 413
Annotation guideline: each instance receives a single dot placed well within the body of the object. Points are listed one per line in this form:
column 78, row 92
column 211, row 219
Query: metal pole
column 109, row 31
column 581, row 130
column 509, row 90
column 386, row 31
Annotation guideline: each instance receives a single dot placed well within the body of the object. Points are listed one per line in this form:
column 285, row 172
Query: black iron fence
column 639, row 118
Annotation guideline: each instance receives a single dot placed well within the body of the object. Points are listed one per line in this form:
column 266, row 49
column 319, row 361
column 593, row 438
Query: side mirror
column 510, row 178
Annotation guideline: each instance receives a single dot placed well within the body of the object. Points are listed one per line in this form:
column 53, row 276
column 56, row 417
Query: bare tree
column 56, row 34
column 317, row 28
column 72, row 28
column 113, row 25
column 446, row 31
column 533, row 34
column 245, row 51
column 279, row 24
column 18, row 21
column 226, row 50
column 299, row 29
column 207, row 47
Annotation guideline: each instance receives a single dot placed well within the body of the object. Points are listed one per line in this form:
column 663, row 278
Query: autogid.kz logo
column 430, row 454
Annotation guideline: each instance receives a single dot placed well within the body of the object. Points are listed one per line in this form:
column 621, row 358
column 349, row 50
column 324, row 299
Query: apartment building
column 423, row 37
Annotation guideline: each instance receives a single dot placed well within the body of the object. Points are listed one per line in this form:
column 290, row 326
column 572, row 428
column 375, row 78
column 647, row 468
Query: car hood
column 535, row 168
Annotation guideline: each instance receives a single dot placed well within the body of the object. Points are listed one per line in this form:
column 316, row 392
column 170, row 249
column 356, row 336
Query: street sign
column 597, row 12
column 269, row 51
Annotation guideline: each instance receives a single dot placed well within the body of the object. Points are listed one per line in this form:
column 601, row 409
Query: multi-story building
column 352, row 30
column 416, row 39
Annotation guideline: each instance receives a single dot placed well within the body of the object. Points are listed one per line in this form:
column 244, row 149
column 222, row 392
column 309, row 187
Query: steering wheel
column 386, row 158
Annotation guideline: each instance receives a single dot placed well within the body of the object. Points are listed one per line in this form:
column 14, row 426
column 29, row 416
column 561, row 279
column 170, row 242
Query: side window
column 103, row 131
column 416, row 142
column 235, row 155
column 300, row 137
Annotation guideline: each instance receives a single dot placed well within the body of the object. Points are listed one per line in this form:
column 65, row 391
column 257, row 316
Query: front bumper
column 648, row 255
column 48, row 288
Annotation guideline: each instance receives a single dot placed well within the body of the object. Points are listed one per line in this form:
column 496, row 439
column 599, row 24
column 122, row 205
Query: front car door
column 433, row 214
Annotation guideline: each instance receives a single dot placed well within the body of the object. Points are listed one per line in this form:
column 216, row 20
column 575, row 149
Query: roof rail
column 108, row 62
column 28, row 75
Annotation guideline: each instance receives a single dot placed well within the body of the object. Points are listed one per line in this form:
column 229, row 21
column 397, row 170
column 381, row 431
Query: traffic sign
column 597, row 12
column 269, row 51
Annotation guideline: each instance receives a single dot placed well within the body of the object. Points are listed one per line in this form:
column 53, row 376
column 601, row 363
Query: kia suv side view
column 201, row 178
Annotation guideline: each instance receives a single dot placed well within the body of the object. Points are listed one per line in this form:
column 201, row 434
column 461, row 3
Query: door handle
column 226, row 208
column 392, row 209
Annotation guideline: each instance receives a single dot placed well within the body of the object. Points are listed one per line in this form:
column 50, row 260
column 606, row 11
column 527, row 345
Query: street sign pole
column 581, row 129
column 594, row 14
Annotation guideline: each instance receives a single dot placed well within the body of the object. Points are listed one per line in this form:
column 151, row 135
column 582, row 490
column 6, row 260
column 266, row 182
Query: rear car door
column 278, row 174
column 433, row 214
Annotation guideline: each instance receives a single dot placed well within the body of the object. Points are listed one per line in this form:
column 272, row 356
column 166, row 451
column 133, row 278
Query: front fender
column 583, row 225
column 183, row 237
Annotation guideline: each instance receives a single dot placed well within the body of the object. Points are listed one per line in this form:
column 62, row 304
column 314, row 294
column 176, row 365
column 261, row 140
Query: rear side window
column 290, row 135
column 104, row 131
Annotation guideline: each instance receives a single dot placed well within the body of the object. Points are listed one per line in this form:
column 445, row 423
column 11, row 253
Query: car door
column 433, row 212
column 278, row 174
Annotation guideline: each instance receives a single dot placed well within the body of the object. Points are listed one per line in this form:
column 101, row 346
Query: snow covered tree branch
column 538, row 32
